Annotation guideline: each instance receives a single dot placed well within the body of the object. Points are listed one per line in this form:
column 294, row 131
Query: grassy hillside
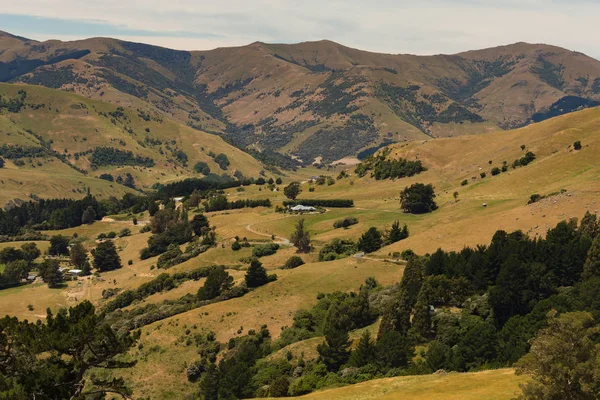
column 316, row 100
column 164, row 354
column 499, row 384
column 74, row 127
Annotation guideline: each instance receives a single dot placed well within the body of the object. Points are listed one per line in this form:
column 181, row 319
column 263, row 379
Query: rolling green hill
column 57, row 144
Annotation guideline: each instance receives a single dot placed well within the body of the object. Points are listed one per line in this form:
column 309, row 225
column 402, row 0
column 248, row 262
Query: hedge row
column 333, row 203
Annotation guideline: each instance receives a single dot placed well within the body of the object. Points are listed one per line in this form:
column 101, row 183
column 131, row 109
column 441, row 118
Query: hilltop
column 60, row 144
column 317, row 101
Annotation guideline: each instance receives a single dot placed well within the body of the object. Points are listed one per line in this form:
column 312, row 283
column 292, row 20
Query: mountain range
column 315, row 101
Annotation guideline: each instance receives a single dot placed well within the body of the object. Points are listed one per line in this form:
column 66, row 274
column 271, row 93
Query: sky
column 388, row 26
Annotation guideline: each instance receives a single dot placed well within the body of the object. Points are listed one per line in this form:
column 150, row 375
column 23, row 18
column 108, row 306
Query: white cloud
column 410, row 26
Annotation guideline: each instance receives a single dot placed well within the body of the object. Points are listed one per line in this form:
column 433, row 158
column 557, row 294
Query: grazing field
column 500, row 384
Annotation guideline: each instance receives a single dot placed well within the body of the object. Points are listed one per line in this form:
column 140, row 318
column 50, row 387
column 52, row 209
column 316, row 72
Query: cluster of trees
column 265, row 250
column 187, row 186
column 331, row 203
column 49, row 214
column 162, row 283
column 53, row 360
column 202, row 168
column 219, row 203
column 171, row 227
column 111, row 156
column 372, row 240
column 17, row 263
column 504, row 290
column 525, row 160
column 418, row 198
column 244, row 371
column 345, row 223
column 13, row 152
column 14, row 104
column 504, row 293
column 383, row 168
column 221, row 159
column 68, row 213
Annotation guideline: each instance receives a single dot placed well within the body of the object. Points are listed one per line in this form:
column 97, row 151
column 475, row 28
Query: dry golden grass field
column 160, row 372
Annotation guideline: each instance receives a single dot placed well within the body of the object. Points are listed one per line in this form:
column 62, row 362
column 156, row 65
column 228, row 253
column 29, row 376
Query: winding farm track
column 279, row 240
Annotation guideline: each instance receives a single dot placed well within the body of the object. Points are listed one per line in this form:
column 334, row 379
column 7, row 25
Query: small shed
column 75, row 272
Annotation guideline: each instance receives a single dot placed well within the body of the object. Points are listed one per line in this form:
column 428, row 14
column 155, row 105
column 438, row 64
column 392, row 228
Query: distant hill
column 316, row 100
column 59, row 144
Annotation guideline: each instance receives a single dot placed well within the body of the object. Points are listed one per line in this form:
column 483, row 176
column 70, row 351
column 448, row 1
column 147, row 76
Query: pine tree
column 209, row 386
column 183, row 215
column 301, row 238
column 394, row 350
column 370, row 241
column 199, row 222
column 590, row 226
column 422, row 319
column 412, row 279
column 592, row 263
column 217, row 281
column 396, row 233
column 396, row 316
column 365, row 351
column 334, row 350
column 256, row 275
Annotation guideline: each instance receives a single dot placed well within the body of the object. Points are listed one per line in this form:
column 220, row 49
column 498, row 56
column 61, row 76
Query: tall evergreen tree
column 592, row 263
column 370, row 241
column 209, row 386
column 590, row 226
column 301, row 238
column 412, row 279
column 422, row 323
column 394, row 350
column 217, row 281
column 396, row 233
column 365, row 352
column 200, row 224
column 334, row 351
column 396, row 316
column 256, row 275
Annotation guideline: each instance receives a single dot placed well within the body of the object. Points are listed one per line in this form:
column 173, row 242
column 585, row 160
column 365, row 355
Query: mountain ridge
column 319, row 100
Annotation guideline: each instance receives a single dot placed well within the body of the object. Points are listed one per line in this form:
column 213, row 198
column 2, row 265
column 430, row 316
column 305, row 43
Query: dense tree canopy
column 418, row 199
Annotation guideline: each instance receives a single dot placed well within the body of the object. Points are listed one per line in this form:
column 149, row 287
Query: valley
column 157, row 189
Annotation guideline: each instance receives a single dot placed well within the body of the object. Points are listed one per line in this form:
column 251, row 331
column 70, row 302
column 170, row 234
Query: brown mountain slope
column 315, row 100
